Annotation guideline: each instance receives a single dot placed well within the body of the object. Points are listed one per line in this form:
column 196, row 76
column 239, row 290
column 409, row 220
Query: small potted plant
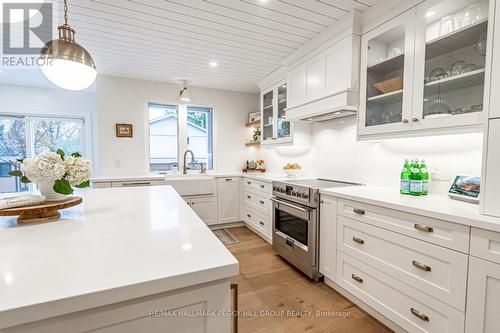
column 55, row 174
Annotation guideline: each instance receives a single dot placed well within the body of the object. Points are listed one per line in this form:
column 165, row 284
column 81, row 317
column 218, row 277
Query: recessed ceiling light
column 430, row 14
column 213, row 63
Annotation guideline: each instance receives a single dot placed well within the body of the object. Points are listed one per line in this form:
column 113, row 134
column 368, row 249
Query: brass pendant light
column 67, row 64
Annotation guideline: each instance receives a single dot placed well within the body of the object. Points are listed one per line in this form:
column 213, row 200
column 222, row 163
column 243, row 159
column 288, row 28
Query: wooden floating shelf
column 253, row 144
column 254, row 124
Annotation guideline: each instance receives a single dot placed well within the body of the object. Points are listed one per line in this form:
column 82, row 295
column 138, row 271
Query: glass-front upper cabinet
column 275, row 128
column 451, row 42
column 387, row 71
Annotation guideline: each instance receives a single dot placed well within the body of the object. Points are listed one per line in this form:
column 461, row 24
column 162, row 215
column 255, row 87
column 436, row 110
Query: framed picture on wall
column 253, row 116
column 124, row 131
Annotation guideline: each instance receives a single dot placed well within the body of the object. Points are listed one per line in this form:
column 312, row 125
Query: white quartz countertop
column 121, row 243
column 128, row 178
column 266, row 176
column 435, row 206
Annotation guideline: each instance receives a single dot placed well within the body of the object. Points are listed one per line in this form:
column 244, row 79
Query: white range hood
column 342, row 104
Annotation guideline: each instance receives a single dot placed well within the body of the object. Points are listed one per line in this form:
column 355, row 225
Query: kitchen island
column 126, row 260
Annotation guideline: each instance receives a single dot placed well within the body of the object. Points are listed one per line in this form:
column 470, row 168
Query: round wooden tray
column 44, row 212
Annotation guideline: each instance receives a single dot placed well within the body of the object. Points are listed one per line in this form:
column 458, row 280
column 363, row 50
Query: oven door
column 295, row 229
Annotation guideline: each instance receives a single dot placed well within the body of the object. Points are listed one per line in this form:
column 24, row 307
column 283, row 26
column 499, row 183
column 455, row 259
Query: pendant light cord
column 65, row 12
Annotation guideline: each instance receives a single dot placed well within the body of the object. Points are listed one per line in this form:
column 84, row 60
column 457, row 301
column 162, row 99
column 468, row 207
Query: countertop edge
column 478, row 223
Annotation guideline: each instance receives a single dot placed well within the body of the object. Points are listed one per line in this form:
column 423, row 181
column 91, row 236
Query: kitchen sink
column 192, row 184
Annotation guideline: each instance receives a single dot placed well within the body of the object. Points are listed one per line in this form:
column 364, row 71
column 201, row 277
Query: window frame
column 181, row 131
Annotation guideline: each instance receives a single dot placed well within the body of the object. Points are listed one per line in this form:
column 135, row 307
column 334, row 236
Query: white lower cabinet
column 327, row 236
column 256, row 207
column 483, row 300
column 204, row 207
column 228, row 199
column 409, row 308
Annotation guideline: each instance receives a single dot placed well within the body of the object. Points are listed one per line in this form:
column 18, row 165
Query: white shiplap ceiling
column 166, row 40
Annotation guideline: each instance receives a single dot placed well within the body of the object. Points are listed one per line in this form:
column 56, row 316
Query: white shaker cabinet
column 205, row 208
column 328, row 238
column 483, row 295
column 491, row 176
column 228, row 199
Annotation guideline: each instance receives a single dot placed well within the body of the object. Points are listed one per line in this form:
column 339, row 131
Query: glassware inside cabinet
column 455, row 49
column 384, row 90
column 283, row 126
column 268, row 115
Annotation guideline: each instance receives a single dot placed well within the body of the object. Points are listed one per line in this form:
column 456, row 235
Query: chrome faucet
column 184, row 166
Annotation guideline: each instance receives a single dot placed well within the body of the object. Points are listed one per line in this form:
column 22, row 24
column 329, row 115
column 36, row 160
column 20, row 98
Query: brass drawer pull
column 262, row 186
column 229, row 179
column 423, row 228
column 249, row 197
column 261, row 223
column 262, row 202
column 419, row 315
column 359, row 211
column 358, row 240
column 356, row 278
column 421, row 266
column 249, row 216
column 249, row 183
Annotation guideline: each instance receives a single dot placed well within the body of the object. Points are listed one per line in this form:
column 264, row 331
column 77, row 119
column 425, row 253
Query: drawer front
column 404, row 305
column 137, row 183
column 439, row 232
column 261, row 223
column 485, row 244
column 257, row 185
column 433, row 270
column 260, row 202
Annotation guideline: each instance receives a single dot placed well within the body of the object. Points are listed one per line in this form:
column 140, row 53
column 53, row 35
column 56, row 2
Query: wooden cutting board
column 44, row 212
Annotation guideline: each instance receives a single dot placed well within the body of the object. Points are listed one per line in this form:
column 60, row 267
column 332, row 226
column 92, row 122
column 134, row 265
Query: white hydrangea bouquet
column 54, row 174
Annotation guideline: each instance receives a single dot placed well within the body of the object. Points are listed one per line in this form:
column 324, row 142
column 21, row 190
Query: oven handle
column 302, row 209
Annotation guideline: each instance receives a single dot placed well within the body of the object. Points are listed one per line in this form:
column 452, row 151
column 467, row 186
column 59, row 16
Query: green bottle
column 425, row 177
column 415, row 180
column 405, row 178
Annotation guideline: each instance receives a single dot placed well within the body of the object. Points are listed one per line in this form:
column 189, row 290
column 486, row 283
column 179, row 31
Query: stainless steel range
column 296, row 221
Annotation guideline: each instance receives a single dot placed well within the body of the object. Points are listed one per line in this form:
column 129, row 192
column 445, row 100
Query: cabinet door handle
column 358, row 240
column 262, row 202
column 415, row 120
column 249, row 197
column 421, row 266
column 405, row 121
column 261, row 223
column 249, row 216
column 262, row 186
column 249, row 183
column 356, row 278
column 423, row 228
column 358, row 211
column 137, row 184
column 229, row 179
column 419, row 315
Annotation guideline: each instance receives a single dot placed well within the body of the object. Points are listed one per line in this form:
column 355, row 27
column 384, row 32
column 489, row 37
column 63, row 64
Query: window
column 25, row 136
column 163, row 137
column 173, row 129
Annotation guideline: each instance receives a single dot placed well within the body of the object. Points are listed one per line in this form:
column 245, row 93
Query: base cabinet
column 204, row 207
column 228, row 199
column 327, row 234
column 483, row 297
column 491, row 196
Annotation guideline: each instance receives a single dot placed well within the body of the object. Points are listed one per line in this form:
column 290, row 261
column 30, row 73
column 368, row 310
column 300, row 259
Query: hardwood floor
column 274, row 297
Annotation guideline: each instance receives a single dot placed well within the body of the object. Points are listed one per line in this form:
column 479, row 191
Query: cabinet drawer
column 404, row 305
column 261, row 223
column 450, row 235
column 433, row 270
column 260, row 202
column 485, row 244
column 257, row 185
